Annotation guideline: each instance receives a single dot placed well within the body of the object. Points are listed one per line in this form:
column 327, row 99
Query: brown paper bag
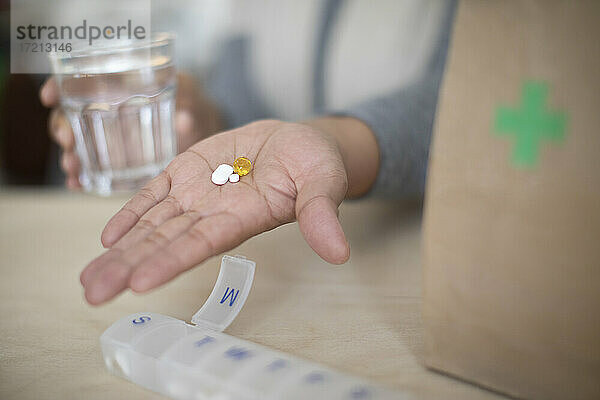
column 512, row 214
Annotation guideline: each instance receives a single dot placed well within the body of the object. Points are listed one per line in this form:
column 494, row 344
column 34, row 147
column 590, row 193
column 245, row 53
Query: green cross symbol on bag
column 530, row 124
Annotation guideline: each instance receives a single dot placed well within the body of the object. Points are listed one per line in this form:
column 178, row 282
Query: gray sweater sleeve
column 402, row 122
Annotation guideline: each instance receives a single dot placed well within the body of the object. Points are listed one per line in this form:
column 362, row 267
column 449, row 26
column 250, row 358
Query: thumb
column 49, row 93
column 316, row 211
column 184, row 121
column 184, row 128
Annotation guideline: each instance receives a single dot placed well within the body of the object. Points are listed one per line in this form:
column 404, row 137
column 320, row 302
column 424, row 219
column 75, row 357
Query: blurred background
column 228, row 43
column 27, row 156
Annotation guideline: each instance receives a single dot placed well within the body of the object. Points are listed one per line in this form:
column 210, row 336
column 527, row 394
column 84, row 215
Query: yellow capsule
column 242, row 166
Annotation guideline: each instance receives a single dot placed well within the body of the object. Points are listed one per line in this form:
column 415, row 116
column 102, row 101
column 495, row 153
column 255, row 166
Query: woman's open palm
column 181, row 218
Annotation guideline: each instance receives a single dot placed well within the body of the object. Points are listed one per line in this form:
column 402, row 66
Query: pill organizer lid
column 228, row 295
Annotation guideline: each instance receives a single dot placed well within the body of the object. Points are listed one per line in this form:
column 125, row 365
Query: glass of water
column 120, row 101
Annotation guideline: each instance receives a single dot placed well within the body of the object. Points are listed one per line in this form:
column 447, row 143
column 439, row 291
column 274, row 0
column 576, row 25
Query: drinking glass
column 120, row 102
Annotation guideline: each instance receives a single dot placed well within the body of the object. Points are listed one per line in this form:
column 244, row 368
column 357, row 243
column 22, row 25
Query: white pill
column 220, row 176
column 234, row 178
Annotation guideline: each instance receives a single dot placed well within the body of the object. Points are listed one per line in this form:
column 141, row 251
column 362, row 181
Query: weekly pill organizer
column 197, row 361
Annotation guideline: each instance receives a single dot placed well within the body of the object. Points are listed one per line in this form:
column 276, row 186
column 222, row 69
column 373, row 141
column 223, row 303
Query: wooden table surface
column 362, row 318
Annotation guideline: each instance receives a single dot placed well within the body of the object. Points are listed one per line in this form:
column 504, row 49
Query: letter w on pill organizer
column 229, row 293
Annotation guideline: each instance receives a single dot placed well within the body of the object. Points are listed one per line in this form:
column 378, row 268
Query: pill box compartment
column 131, row 346
column 181, row 367
column 184, row 361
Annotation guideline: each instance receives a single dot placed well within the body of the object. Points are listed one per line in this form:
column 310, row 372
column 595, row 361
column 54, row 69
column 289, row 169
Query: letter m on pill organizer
column 229, row 294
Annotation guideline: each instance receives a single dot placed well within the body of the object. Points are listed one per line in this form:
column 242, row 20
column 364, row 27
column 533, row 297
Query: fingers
column 150, row 221
column 174, row 247
column 137, row 252
column 108, row 275
column 316, row 211
column 60, row 130
column 70, row 165
column 207, row 237
column 149, row 196
column 72, row 183
column 95, row 265
column 107, row 283
column 49, row 94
